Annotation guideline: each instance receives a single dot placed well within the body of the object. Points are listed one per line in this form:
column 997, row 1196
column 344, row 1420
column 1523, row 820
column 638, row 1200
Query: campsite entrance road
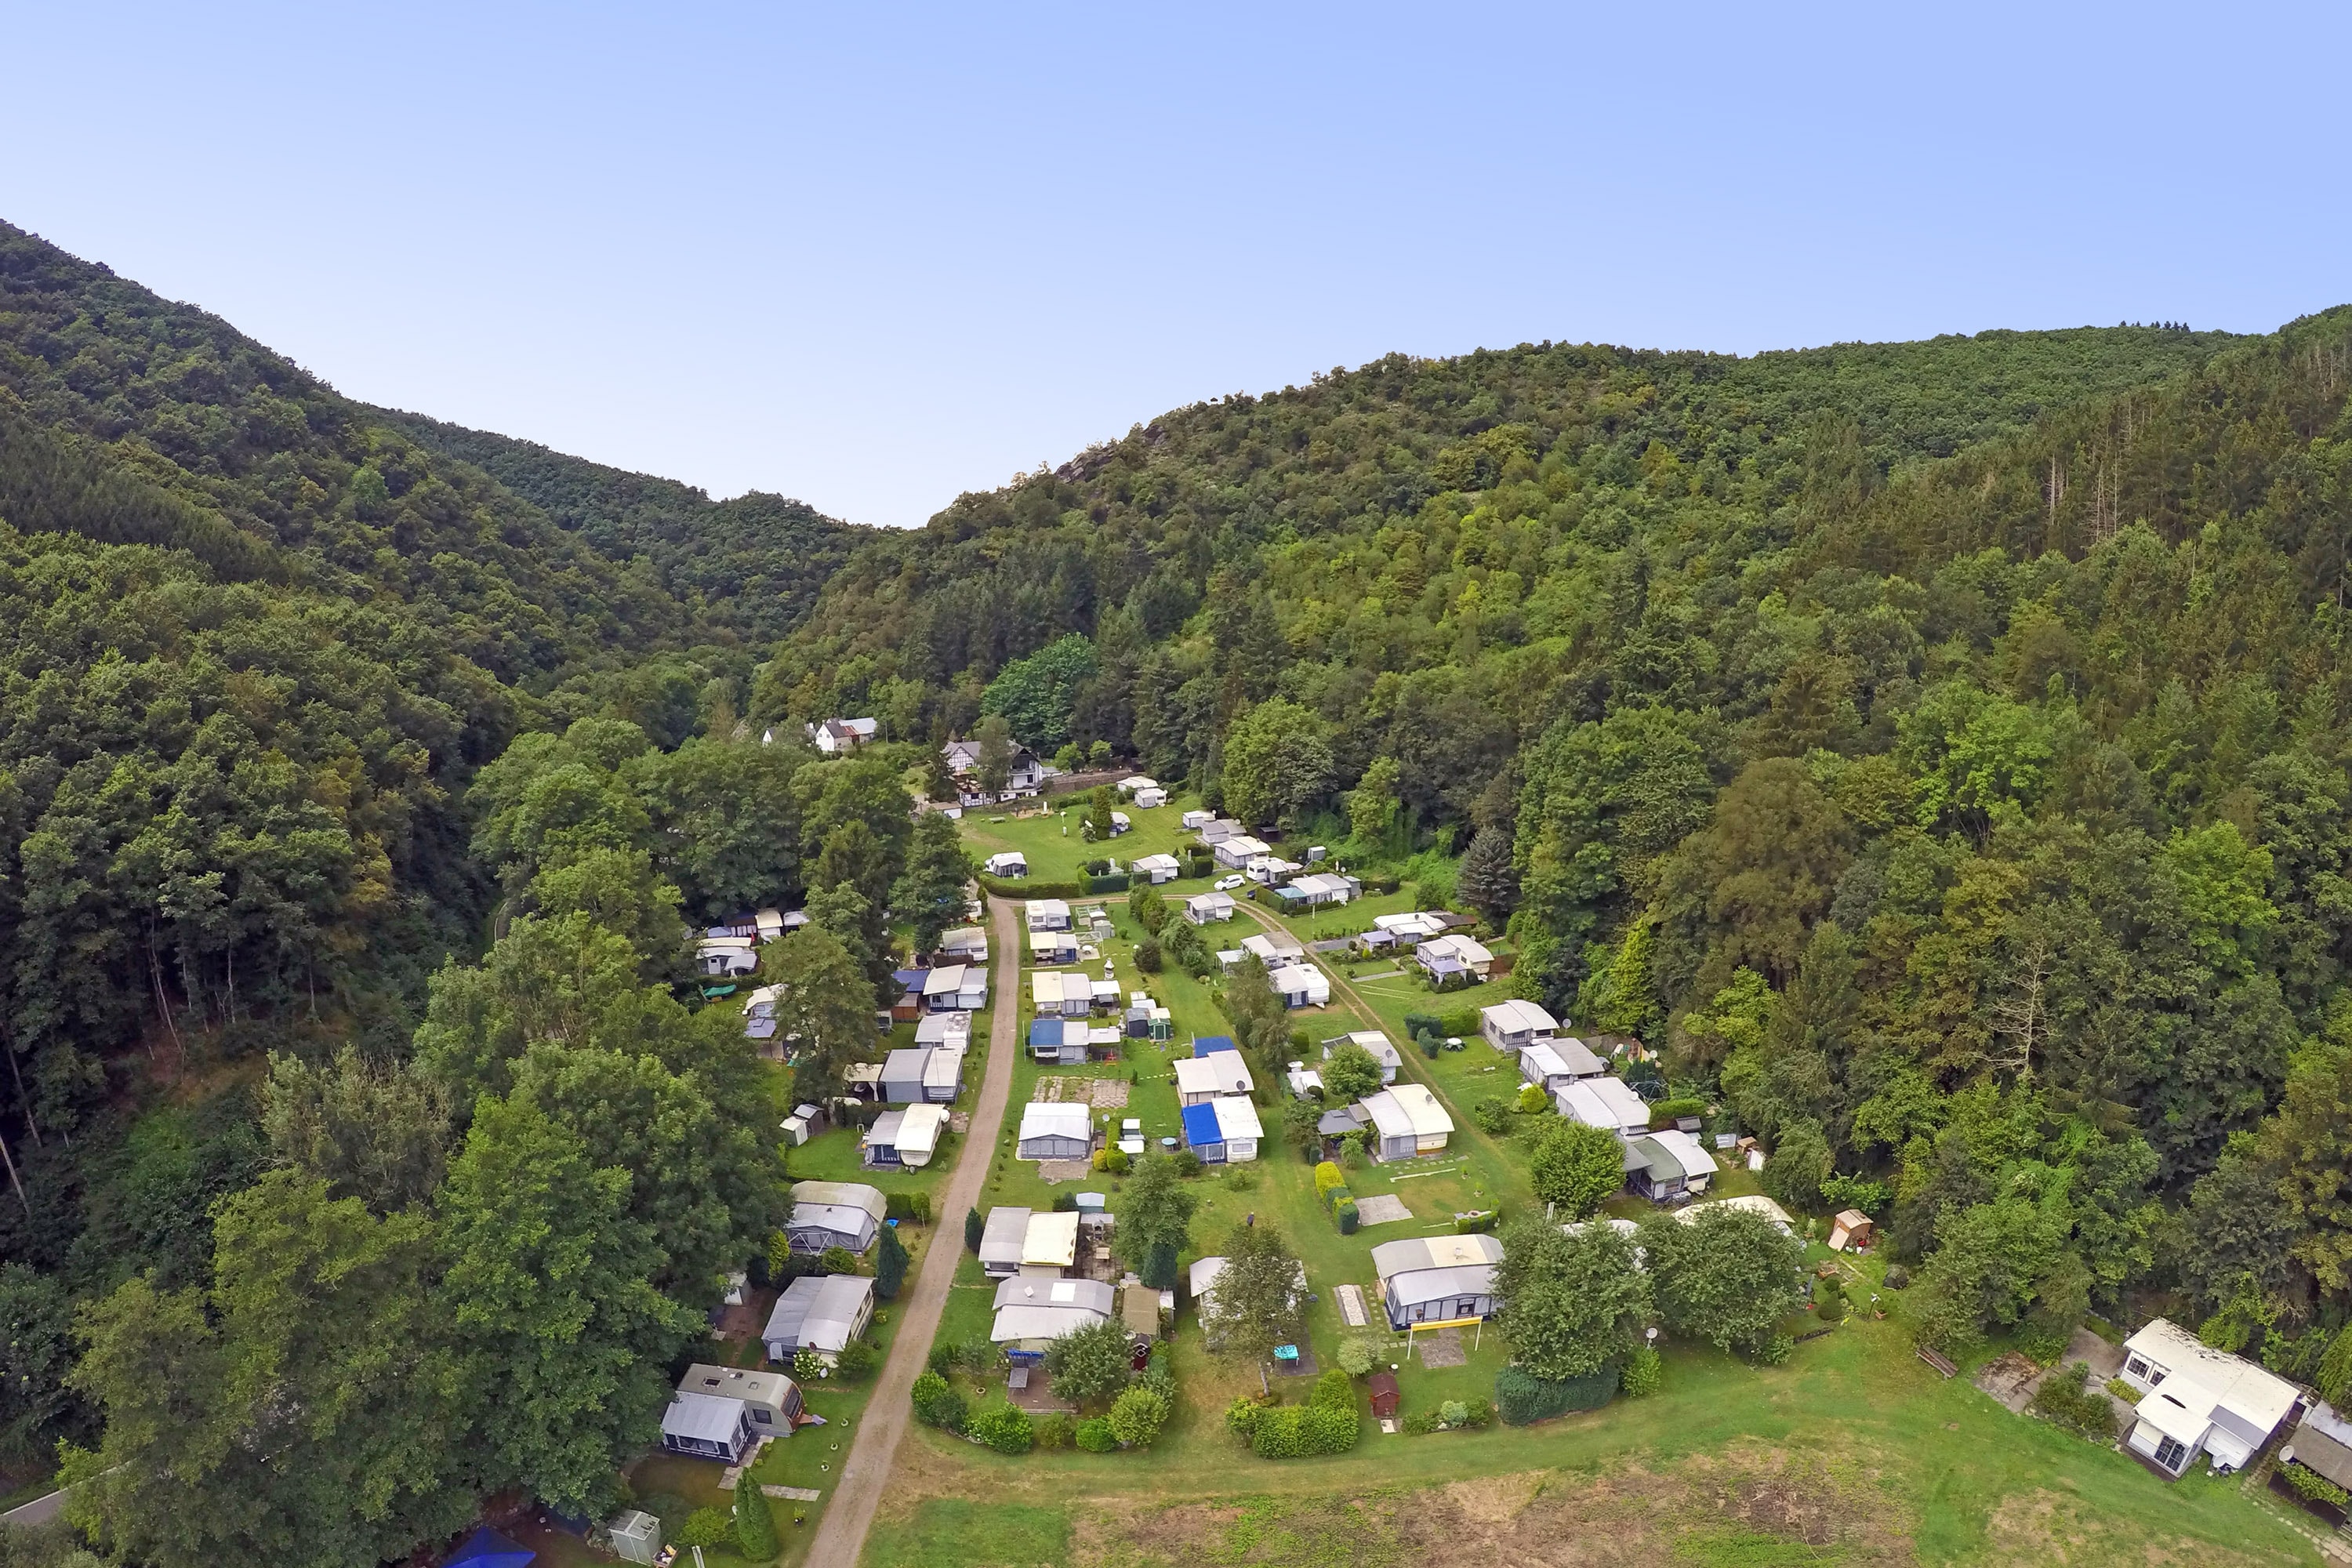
column 841, row 1532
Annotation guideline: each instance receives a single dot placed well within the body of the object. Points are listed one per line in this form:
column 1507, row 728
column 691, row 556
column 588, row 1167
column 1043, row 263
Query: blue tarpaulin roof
column 1044, row 1031
column 1207, row 1043
column 485, row 1548
column 1201, row 1127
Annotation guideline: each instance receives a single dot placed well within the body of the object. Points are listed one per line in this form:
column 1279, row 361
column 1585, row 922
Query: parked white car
column 1228, row 884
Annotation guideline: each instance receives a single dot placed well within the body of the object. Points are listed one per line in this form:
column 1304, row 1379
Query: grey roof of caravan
column 842, row 1194
column 1001, row 1241
column 702, row 1418
column 822, row 1313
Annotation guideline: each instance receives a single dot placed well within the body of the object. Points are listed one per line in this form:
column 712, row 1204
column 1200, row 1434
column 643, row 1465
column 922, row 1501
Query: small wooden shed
column 1850, row 1231
column 1383, row 1386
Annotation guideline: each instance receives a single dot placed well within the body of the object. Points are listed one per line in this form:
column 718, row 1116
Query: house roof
column 1046, row 909
column 1095, row 1295
column 702, row 1418
column 1515, row 1016
column 1224, row 1072
column 1054, row 1031
column 2322, row 1443
column 820, row 1313
column 1436, row 1284
column 905, row 1064
column 842, row 1194
column 1605, row 1102
column 737, row 1382
column 1155, row 863
column 1055, row 1119
column 1752, row 1203
column 1051, row 1240
column 939, row 1028
column 1204, row 902
column 1052, row 987
column 1303, row 978
column 1321, row 882
column 2229, row 1385
column 1468, row 952
column 1243, row 844
column 1201, row 1127
column 1201, row 1279
column 1415, row 924
column 1004, row 1236
column 944, row 981
column 1237, row 1117
column 1272, row 947
column 1391, row 1258
column 915, row 1131
column 1684, row 1149
column 1372, row 1040
column 945, row 1068
column 1338, row 1121
column 1403, row 1108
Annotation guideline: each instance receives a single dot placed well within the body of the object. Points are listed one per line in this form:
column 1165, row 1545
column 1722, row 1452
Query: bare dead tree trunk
column 24, row 1100
column 13, row 1181
column 2021, row 1015
column 162, row 997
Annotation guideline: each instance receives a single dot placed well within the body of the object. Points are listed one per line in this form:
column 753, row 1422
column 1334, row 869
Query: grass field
column 1054, row 854
column 1852, row 1453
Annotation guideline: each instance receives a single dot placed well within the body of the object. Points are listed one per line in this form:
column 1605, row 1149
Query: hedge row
column 1521, row 1397
column 1022, row 887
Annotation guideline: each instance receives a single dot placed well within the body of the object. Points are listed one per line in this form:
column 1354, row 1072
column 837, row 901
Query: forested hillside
column 752, row 564
column 1938, row 748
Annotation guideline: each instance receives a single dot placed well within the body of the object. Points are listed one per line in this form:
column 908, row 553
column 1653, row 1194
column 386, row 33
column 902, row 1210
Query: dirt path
column 841, row 1534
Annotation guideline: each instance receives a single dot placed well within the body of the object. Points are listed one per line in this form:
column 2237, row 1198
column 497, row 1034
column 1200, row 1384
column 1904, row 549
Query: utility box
column 636, row 1535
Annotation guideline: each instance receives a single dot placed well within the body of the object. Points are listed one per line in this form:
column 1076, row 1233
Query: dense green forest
column 1937, row 750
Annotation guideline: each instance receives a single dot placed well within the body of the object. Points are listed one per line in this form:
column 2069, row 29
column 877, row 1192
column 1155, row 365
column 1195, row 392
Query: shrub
column 1241, row 1417
column 975, row 1229
column 1148, row 957
column 807, row 1365
column 1355, row 1356
column 1242, row 1178
column 1115, row 1161
column 1346, row 1215
column 1829, row 1300
column 1137, row 1417
column 1420, row 1023
column 838, row 1260
column 1521, row 1397
column 856, row 1360
column 706, row 1527
column 1897, row 1277
column 1854, row 1193
column 1420, row 1422
column 2062, row 1399
column 1461, row 1021
column 1003, row 1427
column 936, row 1403
column 1187, row 1162
column 1482, row 1415
column 2123, row 1391
column 1280, row 1433
column 1532, row 1099
column 1053, row 1431
column 1095, row 1436
column 2313, row 1485
column 1430, row 1045
column 1645, row 1373
column 1334, row 1391
column 1492, row 1115
column 889, row 1265
column 1666, row 1112
column 1328, row 1176
column 755, row 1526
column 1477, row 1224
column 942, row 1359
column 1453, row 1413
column 1323, row 1430
column 908, row 1208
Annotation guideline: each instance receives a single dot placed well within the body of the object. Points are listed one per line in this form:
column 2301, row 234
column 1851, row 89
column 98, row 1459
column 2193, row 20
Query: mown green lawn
column 1853, row 1413
column 1046, row 832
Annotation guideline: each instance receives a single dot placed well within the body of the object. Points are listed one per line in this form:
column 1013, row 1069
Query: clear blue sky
column 872, row 257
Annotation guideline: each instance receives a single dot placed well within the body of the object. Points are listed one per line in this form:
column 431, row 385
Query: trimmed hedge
column 1095, row 1436
column 1346, row 1215
column 1328, row 1175
column 1022, row 888
column 1117, row 882
column 1666, row 1112
column 1521, row 1397
column 913, row 1208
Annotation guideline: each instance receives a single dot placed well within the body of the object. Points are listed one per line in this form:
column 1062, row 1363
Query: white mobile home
column 1301, row 986
column 726, row 957
column 1275, row 948
column 1046, row 914
column 1203, row 1078
column 1606, row 1103
column 902, row 1075
column 1515, row 1024
column 956, row 988
column 1155, row 870
column 1668, row 1163
column 1238, row 851
column 1202, row 908
column 771, row 1400
column 1553, row 1065
column 1055, row 992
column 1150, row 797
column 2198, row 1400
column 1008, row 863
column 904, row 1137
column 1406, row 1122
column 706, row 1427
column 1223, row 1131
column 965, row 945
column 1031, row 1313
